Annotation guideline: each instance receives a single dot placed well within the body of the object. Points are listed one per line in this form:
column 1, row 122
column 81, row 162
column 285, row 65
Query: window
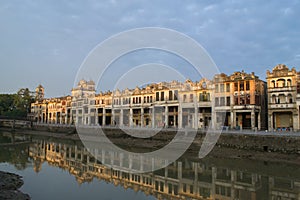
column 170, row 95
column 176, row 95
column 241, row 85
column 236, row 87
column 162, row 96
column 157, row 96
column 216, row 101
column 222, row 87
column 227, row 101
column 217, row 88
column 207, row 97
column 191, row 97
column 273, row 84
column 227, row 87
column 184, row 98
column 200, row 97
column 247, row 99
column 222, row 101
column 247, row 85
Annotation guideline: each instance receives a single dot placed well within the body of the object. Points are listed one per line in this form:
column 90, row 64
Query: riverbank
column 9, row 187
column 239, row 145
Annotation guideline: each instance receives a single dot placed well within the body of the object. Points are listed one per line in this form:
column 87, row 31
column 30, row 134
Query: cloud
column 59, row 35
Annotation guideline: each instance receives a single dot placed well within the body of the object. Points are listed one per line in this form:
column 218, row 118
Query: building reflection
column 184, row 179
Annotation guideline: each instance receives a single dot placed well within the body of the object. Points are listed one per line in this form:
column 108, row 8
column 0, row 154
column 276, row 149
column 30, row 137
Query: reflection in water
column 184, row 179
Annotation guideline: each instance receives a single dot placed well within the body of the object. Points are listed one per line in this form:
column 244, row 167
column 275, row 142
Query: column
column 113, row 113
column 60, row 117
column 103, row 117
column 295, row 121
column 121, row 117
column 71, row 118
column 252, row 119
column 153, row 117
column 259, row 121
column 271, row 125
column 233, row 119
column 66, row 117
column 96, row 117
column 54, row 118
column 196, row 121
column 142, row 117
column 166, row 116
column 179, row 116
column 89, row 117
column 130, row 117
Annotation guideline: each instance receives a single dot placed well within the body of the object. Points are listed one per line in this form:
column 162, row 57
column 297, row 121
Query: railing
column 14, row 118
column 280, row 89
column 282, row 105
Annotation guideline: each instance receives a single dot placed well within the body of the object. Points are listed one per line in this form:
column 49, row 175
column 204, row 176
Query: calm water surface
column 63, row 169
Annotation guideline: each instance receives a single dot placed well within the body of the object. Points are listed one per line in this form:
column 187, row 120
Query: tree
column 16, row 105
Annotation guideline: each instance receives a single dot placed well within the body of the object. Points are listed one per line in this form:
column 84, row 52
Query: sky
column 46, row 42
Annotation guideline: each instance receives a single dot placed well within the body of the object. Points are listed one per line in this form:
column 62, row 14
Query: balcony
column 204, row 104
column 282, row 106
column 282, row 89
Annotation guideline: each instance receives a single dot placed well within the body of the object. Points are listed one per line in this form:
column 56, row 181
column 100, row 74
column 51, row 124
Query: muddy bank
column 9, row 185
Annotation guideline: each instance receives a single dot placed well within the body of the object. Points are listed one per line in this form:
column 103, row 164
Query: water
column 63, row 169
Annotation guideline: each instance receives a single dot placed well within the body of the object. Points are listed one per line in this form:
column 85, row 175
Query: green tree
column 16, row 105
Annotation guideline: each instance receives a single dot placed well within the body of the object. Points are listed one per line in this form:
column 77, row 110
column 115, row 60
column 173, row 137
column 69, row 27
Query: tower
column 39, row 93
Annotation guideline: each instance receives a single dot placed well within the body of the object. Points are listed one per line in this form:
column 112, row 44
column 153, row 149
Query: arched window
column 281, row 98
column 289, row 82
column 281, row 83
column 273, row 84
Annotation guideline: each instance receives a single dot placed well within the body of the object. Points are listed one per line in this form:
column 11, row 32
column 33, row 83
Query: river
column 55, row 168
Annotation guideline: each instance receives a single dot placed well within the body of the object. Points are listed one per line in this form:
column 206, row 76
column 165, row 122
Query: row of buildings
column 237, row 101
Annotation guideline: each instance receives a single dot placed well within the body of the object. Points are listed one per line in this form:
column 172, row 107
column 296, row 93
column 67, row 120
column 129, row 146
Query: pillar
column 166, row 116
column 60, row 117
column 233, row 119
column 56, row 118
column 113, row 116
column 142, row 117
column 179, row 116
column 96, row 117
column 66, row 117
column 259, row 121
column 252, row 119
column 130, row 117
column 121, row 117
column 295, row 121
column 196, row 121
column 103, row 117
column 271, row 125
column 153, row 117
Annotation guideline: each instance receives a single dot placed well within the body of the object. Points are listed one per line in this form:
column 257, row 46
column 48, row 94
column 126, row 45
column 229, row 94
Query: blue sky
column 45, row 42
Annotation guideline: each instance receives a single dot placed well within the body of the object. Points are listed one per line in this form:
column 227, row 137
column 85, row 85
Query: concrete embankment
column 288, row 143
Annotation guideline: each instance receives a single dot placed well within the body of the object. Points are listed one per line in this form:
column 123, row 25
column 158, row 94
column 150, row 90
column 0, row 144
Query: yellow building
column 283, row 107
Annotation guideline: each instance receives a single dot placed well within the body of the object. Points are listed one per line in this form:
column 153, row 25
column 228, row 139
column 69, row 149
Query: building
column 283, row 98
column 52, row 110
column 241, row 97
column 237, row 101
